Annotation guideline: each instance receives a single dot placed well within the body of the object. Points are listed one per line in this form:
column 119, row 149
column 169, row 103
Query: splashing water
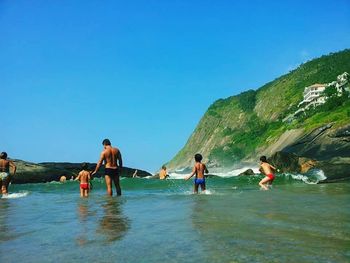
column 312, row 177
column 15, row 195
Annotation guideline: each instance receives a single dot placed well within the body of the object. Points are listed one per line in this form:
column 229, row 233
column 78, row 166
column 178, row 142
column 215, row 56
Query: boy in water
column 163, row 174
column 198, row 169
column 268, row 170
column 5, row 172
column 84, row 178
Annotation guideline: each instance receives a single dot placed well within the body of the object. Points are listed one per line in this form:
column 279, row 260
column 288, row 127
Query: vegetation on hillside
column 233, row 128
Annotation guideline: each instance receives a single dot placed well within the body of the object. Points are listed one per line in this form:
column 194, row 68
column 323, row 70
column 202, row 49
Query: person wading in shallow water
column 268, row 170
column 112, row 159
column 5, row 172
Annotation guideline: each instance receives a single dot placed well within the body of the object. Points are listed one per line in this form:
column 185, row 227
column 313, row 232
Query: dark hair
column 3, row 155
column 263, row 159
column 106, row 142
column 84, row 166
column 198, row 157
column 163, row 167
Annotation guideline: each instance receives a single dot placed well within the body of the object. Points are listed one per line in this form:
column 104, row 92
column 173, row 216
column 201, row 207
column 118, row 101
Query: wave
column 15, row 195
column 312, row 177
column 235, row 172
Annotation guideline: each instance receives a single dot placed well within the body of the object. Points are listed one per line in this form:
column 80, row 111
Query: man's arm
column 99, row 163
column 192, row 174
column 205, row 169
column 13, row 167
column 120, row 159
column 77, row 178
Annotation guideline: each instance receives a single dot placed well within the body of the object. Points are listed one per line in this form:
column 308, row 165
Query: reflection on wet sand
column 113, row 224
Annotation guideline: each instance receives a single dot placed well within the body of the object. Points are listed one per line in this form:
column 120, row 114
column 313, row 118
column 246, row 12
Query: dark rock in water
column 47, row 172
column 285, row 162
column 336, row 169
column 247, row 172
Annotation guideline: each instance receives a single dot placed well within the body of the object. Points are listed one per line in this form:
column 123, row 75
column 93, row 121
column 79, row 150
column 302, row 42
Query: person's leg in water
column 4, row 186
column 117, row 185
column 195, row 190
column 109, row 185
column 263, row 182
column 203, row 187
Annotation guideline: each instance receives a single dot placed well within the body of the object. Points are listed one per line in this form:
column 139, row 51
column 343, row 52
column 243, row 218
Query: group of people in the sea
column 112, row 159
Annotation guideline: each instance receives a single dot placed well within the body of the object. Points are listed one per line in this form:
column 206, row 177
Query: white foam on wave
column 15, row 195
column 207, row 192
column 236, row 172
column 177, row 175
column 313, row 177
column 232, row 173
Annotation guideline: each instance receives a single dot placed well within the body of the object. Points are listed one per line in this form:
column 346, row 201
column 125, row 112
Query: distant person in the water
column 63, row 179
column 163, row 174
column 198, row 169
column 134, row 175
column 268, row 170
column 112, row 159
column 84, row 178
column 5, row 172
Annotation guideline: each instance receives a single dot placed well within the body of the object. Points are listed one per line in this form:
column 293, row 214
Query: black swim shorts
column 111, row 172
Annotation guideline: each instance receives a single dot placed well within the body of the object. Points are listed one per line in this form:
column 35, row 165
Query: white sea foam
column 312, row 177
column 15, row 195
column 234, row 172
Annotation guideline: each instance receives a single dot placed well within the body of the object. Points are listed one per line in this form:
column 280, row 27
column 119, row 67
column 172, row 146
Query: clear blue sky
column 143, row 73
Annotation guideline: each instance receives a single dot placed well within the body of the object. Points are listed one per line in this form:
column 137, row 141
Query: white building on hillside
column 313, row 96
column 341, row 82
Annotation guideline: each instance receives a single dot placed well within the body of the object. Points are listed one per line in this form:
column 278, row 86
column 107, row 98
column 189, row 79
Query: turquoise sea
column 162, row 221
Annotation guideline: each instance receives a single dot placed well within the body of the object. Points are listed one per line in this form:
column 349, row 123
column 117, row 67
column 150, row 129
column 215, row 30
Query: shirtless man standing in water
column 110, row 156
column 5, row 172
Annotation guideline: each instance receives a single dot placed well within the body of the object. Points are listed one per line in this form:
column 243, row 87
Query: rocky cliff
column 242, row 127
column 325, row 149
column 46, row 172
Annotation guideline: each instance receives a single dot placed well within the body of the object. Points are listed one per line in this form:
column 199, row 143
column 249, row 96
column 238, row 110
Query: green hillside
column 233, row 128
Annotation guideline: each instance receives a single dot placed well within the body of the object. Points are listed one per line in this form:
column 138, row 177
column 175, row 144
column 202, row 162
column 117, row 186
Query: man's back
column 111, row 155
column 200, row 169
column 4, row 165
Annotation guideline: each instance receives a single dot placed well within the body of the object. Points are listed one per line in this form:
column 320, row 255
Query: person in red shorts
column 84, row 178
column 268, row 170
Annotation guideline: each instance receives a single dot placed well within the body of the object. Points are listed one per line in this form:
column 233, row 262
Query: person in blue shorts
column 198, row 169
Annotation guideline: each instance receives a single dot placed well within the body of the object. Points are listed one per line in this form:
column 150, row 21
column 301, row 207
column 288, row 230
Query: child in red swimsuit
column 84, row 178
column 268, row 170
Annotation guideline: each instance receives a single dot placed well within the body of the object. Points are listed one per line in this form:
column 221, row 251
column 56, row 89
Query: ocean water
column 162, row 221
